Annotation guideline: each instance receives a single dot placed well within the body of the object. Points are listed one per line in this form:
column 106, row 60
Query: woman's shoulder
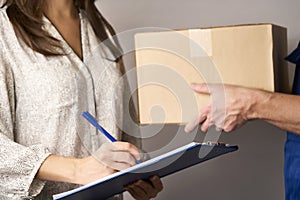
column 4, row 20
column 6, row 30
column 3, row 13
column 7, row 33
column 3, row 23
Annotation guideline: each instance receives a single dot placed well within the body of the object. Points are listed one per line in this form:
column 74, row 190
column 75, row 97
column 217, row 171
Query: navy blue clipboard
column 162, row 166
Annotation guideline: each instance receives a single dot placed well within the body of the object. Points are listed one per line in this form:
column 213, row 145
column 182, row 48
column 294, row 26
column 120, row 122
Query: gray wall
column 256, row 170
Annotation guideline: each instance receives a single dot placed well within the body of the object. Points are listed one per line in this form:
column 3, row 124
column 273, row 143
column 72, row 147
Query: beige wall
column 256, row 170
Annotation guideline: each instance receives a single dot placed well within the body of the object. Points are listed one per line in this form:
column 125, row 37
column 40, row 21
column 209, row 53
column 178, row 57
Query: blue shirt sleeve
column 294, row 57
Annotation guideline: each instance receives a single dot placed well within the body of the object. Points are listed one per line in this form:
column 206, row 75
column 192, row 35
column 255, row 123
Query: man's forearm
column 281, row 110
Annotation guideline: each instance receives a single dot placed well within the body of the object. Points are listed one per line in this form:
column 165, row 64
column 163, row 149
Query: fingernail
column 193, row 85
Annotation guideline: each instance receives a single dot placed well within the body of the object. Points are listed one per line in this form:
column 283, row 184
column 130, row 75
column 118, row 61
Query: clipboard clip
column 210, row 143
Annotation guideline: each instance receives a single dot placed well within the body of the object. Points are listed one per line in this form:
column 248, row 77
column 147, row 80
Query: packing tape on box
column 200, row 43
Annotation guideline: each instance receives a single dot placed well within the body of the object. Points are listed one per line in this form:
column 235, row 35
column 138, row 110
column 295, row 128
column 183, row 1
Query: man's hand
column 230, row 107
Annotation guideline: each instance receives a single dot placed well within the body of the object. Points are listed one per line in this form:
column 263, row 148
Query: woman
column 281, row 110
column 45, row 84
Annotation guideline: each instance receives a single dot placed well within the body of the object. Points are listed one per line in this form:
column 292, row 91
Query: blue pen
column 94, row 122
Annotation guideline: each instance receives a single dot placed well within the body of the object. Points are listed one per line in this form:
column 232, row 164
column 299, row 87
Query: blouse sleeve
column 18, row 164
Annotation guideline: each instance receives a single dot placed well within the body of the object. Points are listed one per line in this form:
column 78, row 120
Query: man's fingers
column 200, row 88
column 201, row 117
column 194, row 123
column 205, row 126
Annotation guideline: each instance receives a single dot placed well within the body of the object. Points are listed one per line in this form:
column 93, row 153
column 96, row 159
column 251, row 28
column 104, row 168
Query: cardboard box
column 169, row 61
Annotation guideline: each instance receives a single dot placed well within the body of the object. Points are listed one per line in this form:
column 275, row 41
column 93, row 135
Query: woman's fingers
column 143, row 190
column 123, row 157
column 137, row 192
column 156, row 182
column 117, row 155
column 126, row 147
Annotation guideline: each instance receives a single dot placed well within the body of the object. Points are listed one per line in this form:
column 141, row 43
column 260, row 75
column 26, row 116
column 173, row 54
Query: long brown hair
column 26, row 17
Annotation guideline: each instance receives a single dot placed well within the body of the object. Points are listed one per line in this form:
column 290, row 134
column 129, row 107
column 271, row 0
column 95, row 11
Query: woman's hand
column 145, row 190
column 73, row 170
column 122, row 155
column 117, row 155
column 89, row 169
column 108, row 159
column 231, row 107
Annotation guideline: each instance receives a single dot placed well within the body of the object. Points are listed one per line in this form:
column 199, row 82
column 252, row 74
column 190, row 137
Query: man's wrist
column 259, row 103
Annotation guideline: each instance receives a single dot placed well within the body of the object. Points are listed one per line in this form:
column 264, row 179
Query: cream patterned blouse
column 41, row 101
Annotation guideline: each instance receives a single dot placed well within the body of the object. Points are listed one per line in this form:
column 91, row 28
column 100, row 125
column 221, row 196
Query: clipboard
column 164, row 165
